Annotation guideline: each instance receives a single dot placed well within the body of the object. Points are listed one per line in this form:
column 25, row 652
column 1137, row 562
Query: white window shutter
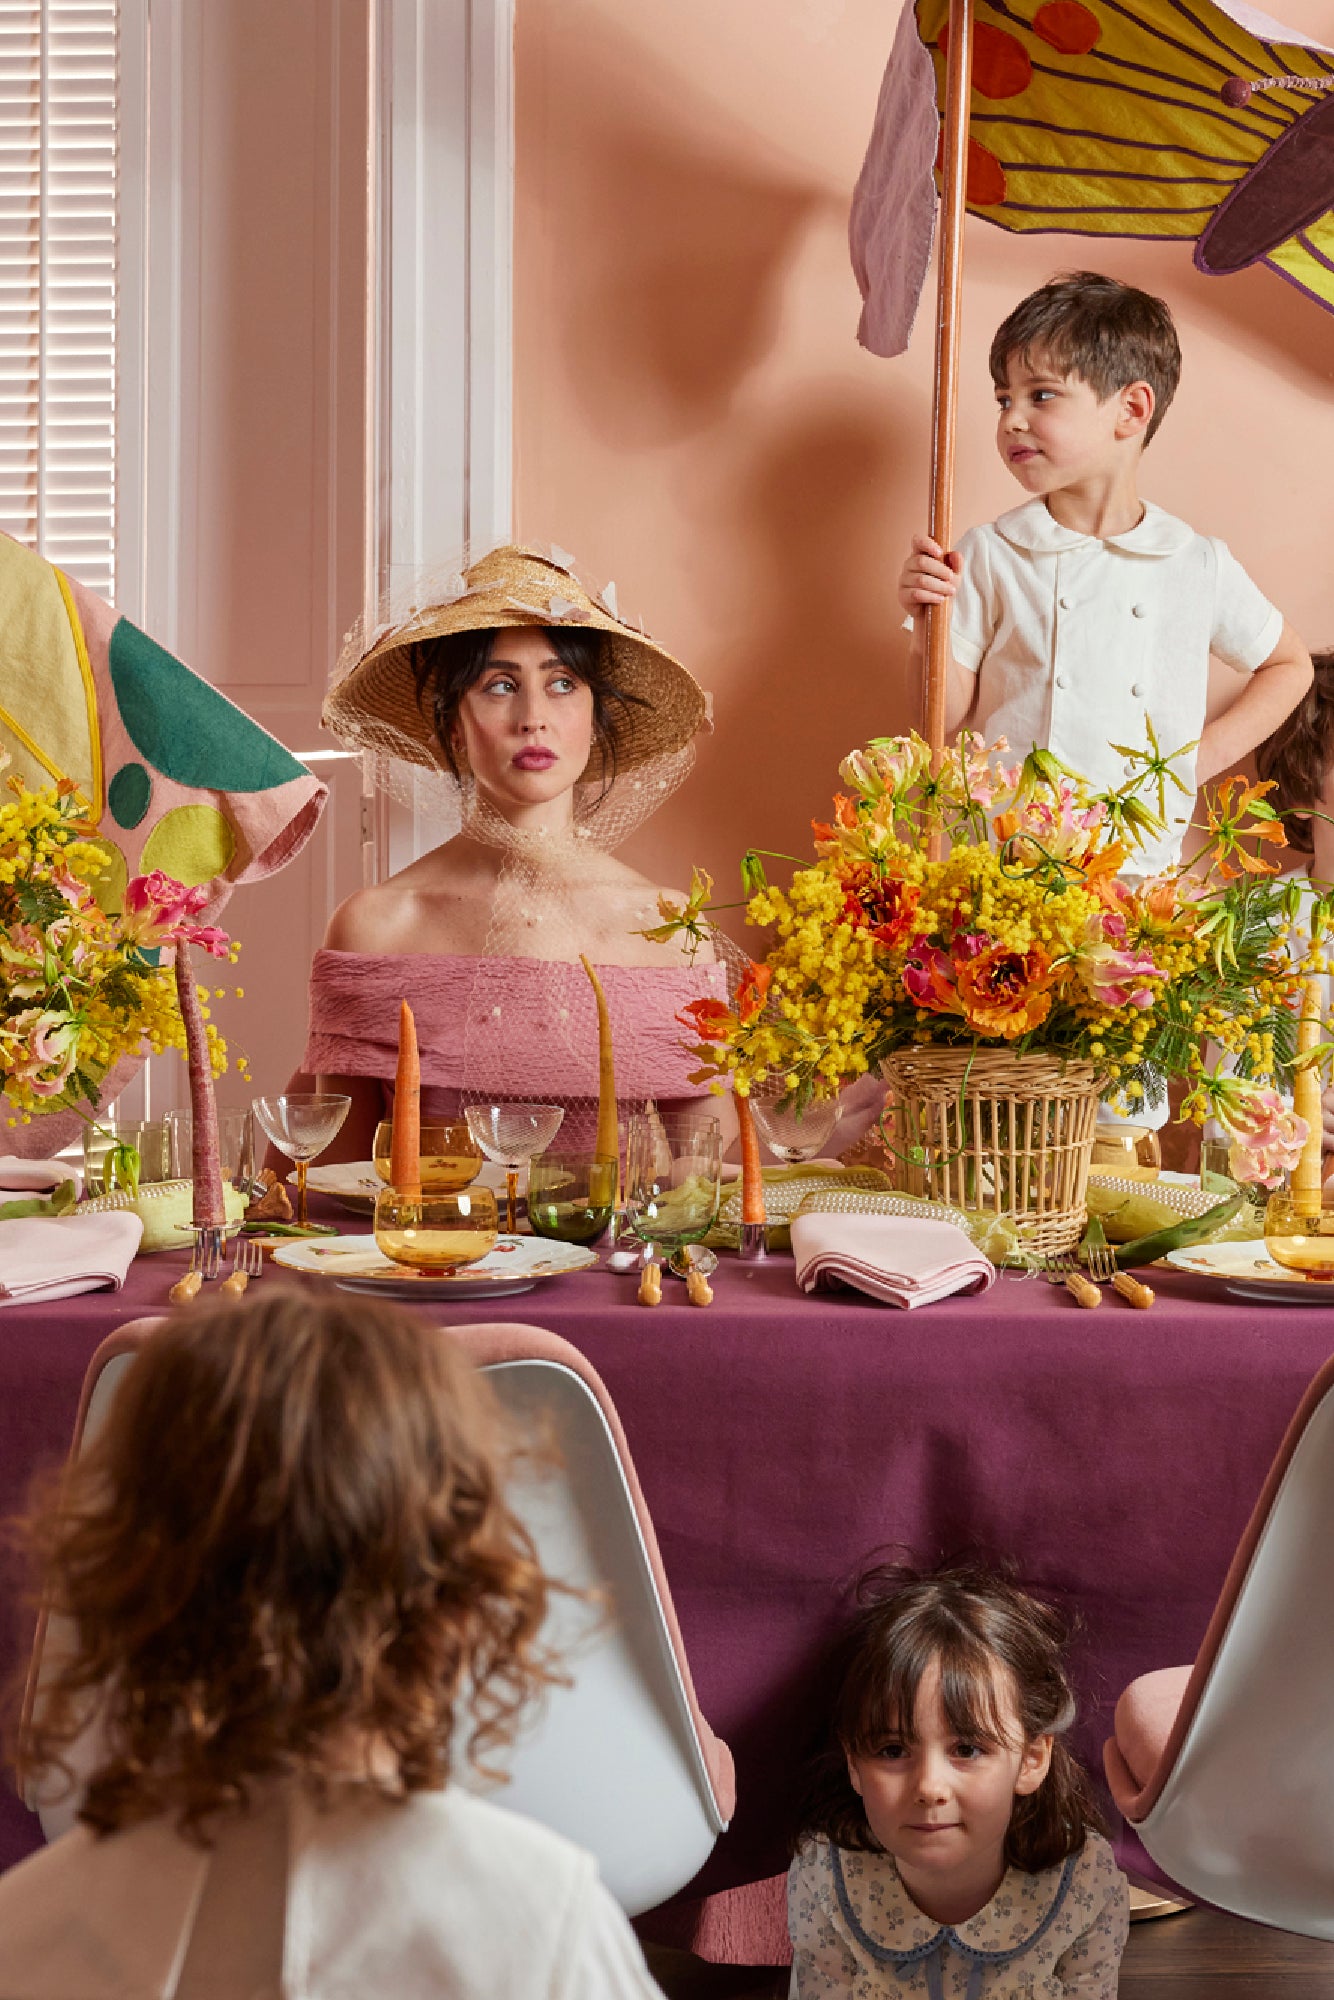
column 58, row 291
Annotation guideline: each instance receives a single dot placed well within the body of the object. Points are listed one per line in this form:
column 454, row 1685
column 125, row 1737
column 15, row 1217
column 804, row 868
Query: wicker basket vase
column 1008, row 1134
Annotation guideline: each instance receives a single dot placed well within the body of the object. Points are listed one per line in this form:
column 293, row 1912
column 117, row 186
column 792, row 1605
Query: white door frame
column 440, row 229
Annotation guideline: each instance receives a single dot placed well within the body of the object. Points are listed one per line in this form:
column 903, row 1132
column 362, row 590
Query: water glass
column 148, row 1136
column 673, row 1173
column 571, row 1196
column 236, row 1146
column 793, row 1131
column 449, row 1157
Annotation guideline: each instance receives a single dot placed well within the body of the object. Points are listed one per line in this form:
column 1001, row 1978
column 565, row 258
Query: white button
column 1139, row 610
column 1062, row 681
column 1067, row 604
column 1137, row 687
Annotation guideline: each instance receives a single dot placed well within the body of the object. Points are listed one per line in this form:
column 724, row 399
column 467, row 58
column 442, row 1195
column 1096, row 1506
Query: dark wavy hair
column 1299, row 754
column 446, row 667
column 288, row 1547
column 1106, row 333
column 989, row 1639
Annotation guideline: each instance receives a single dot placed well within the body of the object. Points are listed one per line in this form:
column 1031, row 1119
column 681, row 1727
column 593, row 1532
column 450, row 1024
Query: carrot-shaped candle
column 607, row 1145
column 405, row 1165
column 753, row 1241
column 209, row 1210
column 1306, row 1103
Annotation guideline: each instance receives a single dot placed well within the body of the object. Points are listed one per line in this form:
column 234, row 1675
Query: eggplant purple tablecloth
column 783, row 1441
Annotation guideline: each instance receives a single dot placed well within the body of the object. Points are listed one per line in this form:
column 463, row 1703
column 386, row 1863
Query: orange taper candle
column 405, row 1168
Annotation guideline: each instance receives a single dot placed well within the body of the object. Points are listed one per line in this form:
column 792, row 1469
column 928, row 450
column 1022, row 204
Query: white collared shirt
column 1075, row 639
column 858, row 1935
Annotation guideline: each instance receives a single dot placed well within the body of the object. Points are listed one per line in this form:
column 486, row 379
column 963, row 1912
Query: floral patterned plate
column 1249, row 1272
column 516, row 1264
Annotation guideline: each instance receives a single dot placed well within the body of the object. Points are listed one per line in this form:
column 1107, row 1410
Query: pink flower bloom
column 928, row 978
column 157, row 911
column 1267, row 1136
column 45, row 1047
column 1114, row 974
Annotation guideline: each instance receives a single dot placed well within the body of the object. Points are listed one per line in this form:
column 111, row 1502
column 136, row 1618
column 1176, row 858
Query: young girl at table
column 296, row 1596
column 951, row 1848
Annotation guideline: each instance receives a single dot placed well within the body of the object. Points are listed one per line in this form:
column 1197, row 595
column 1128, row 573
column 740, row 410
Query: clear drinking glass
column 510, row 1135
column 793, row 1134
column 148, row 1138
column 673, row 1174
column 301, row 1123
column 236, row 1146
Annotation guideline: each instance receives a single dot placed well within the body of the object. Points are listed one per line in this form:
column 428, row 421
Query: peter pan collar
column 1033, row 528
column 870, row 1893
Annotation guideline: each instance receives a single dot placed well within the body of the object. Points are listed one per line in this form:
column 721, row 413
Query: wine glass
column 510, row 1135
column 792, row 1131
column 673, row 1176
column 301, row 1123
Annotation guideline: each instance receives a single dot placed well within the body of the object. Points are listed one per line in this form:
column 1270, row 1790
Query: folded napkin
column 905, row 1260
column 54, row 1256
column 33, row 1176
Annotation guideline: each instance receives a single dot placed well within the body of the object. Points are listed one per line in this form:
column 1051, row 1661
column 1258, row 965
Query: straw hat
column 373, row 704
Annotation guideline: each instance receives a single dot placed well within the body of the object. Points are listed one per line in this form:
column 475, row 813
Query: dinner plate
column 1249, row 1272
column 354, row 1184
column 515, row 1265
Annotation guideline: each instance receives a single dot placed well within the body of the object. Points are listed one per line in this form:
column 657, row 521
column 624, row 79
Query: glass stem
column 511, row 1200
column 301, row 1216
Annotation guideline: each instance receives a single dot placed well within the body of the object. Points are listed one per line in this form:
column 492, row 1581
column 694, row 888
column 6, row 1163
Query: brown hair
column 987, row 1637
column 1299, row 754
column 1106, row 333
column 444, row 668
column 286, row 1553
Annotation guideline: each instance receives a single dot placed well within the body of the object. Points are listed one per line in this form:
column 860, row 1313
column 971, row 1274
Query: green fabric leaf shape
column 184, row 728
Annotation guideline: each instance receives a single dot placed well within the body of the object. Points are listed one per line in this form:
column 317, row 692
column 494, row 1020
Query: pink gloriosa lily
column 157, row 912
column 1115, row 974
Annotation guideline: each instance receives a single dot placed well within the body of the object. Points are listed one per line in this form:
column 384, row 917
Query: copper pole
column 949, row 316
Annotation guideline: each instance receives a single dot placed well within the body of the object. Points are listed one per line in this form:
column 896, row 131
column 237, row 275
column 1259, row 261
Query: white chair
column 621, row 1760
column 1226, row 1769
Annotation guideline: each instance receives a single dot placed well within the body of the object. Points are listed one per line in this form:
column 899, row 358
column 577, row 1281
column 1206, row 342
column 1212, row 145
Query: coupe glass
column 790, row 1132
column 301, row 1123
column 673, row 1172
column 510, row 1135
column 1298, row 1239
column 450, row 1158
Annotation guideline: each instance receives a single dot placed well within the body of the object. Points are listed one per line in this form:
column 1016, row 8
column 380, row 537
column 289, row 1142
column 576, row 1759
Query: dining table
column 788, row 1443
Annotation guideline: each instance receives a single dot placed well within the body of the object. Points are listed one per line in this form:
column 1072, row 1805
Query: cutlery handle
column 1133, row 1291
column 1083, row 1291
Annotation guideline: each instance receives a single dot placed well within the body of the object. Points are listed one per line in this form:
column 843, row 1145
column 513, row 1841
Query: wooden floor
column 1195, row 1956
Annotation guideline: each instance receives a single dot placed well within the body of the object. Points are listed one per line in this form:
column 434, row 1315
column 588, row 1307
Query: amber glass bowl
column 1131, row 1152
column 1298, row 1239
column 450, row 1157
column 436, row 1233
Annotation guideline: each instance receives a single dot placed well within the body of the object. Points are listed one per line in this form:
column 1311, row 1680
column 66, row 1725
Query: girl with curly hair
column 296, row 1599
column 950, row 1845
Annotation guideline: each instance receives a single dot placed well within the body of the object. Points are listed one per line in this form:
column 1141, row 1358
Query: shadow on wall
column 819, row 665
column 676, row 293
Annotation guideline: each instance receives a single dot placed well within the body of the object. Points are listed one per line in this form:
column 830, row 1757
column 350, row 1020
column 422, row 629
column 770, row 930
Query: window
column 59, row 189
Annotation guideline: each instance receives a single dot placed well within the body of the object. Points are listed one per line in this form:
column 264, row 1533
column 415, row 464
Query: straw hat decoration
column 373, row 704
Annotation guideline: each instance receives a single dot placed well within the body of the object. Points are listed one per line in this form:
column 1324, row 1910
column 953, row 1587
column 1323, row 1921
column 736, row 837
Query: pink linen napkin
column 904, row 1260
column 54, row 1256
column 19, row 1177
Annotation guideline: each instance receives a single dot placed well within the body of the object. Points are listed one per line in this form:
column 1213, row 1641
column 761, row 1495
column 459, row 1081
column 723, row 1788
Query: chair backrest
column 620, row 1760
column 56, row 1800
column 1240, row 1809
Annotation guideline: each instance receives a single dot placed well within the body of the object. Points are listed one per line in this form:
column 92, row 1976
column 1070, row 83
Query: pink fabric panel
column 746, row 1926
column 1144, row 1718
column 548, row 1039
column 893, row 217
column 504, row 1340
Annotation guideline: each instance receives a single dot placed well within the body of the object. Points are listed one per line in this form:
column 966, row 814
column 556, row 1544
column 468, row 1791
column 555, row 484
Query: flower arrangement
column 1030, row 933
column 81, row 985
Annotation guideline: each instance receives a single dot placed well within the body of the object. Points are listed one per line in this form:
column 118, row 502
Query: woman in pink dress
column 551, row 728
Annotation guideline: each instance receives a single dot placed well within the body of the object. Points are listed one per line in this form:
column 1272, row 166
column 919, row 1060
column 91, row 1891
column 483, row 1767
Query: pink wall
column 694, row 417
